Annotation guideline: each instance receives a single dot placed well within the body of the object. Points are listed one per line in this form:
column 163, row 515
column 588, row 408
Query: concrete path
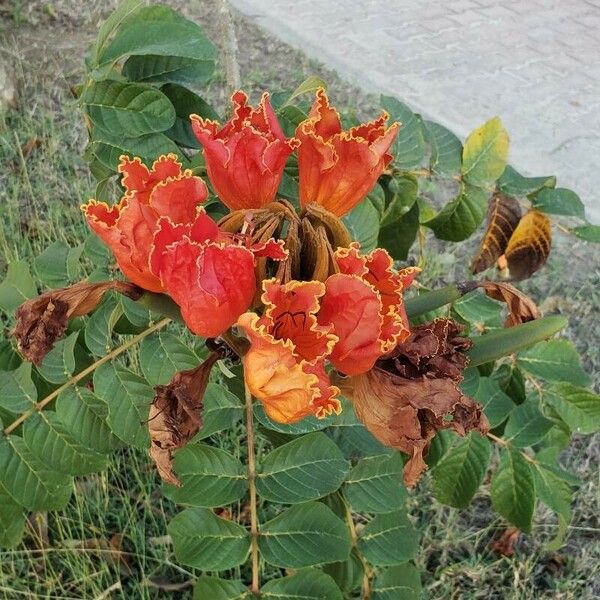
column 535, row 63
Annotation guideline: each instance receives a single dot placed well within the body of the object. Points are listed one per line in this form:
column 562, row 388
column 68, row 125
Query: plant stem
column 255, row 586
column 507, row 444
column 366, row 584
column 76, row 378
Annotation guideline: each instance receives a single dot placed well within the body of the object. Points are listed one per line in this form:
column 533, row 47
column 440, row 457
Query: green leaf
column 158, row 30
column 306, row 425
column 9, row 357
column 497, row 406
column 99, row 329
column 559, row 201
column 460, row 472
column 511, row 380
column 311, row 84
column 404, row 190
column 347, row 574
column 440, row 445
column 398, row 583
column 164, row 354
column 207, row 542
column 128, row 397
column 306, row 468
column 97, row 251
column 50, row 441
column 28, row 481
column 186, row 103
column 219, row 589
column 209, row 477
column 578, row 407
column 409, row 147
column 375, row 484
column 356, row 441
column 590, row 233
column 288, row 188
column 303, row 536
column 446, row 149
column 12, row 521
column 552, row 490
column 479, row 310
column 108, row 148
column 491, row 346
column 513, row 491
column 128, row 109
column 389, row 539
column 18, row 286
column 58, row 365
column 526, row 425
column 169, row 69
column 485, row 153
column 470, row 384
column 113, row 22
column 398, row 236
column 17, row 391
column 514, row 184
column 461, row 217
column 363, row 224
column 222, row 410
column 58, row 264
column 84, row 416
column 554, row 360
column 308, row 584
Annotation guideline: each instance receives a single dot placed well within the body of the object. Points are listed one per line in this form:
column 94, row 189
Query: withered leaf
column 505, row 544
column 504, row 213
column 529, row 245
column 176, row 415
column 521, row 308
column 413, row 392
column 43, row 320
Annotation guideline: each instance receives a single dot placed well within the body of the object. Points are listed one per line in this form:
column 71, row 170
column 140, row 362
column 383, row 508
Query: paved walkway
column 535, row 63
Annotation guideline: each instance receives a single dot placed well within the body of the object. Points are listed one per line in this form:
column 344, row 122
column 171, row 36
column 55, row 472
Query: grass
column 110, row 540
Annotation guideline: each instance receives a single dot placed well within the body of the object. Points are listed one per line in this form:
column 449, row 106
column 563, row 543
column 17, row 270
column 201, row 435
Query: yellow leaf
column 485, row 153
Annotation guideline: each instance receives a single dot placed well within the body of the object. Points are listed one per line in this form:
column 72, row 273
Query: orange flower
column 128, row 227
column 364, row 305
column 246, row 157
column 209, row 274
column 285, row 365
column 338, row 168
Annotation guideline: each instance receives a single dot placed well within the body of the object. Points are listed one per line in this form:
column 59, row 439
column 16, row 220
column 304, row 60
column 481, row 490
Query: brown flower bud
column 176, row 411
column 413, row 393
column 42, row 321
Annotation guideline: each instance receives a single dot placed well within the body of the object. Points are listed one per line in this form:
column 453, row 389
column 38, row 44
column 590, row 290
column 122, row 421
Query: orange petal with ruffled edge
column 246, row 157
column 139, row 179
column 290, row 314
column 289, row 389
column 125, row 230
column 337, row 169
column 353, row 307
column 212, row 283
column 179, row 197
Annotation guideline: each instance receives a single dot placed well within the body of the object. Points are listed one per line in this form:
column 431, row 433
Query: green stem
column 497, row 344
column 424, row 303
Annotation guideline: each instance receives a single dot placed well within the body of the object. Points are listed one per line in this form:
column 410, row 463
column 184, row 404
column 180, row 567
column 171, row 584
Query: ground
column 71, row 554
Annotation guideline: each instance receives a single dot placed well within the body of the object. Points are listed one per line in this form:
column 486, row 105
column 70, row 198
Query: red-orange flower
column 208, row 273
column 337, row 169
column 128, row 227
column 364, row 305
column 285, row 365
column 246, row 157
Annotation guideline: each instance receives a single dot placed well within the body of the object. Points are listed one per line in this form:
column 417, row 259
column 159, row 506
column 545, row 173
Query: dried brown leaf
column 521, row 308
column 505, row 544
column 529, row 245
column 504, row 213
column 43, row 320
